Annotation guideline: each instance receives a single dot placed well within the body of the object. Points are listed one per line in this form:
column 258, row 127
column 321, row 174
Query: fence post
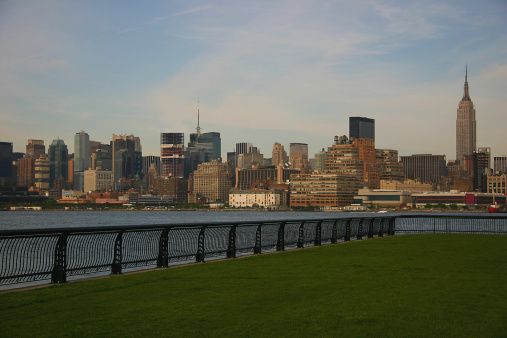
column 334, row 234
column 381, row 228
column 59, row 273
column 370, row 228
column 231, row 249
column 199, row 257
column 391, row 226
column 346, row 238
column 258, row 238
column 301, row 237
column 280, row 245
column 359, row 235
column 318, row 234
column 163, row 249
column 116, row 266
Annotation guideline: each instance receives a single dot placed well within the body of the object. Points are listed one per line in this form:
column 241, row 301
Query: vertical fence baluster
column 280, row 244
column 391, row 226
column 318, row 234
column 381, row 228
column 334, row 235
column 163, row 249
column 301, row 237
column 199, row 257
column 117, row 259
column 258, row 238
column 346, row 238
column 359, row 235
column 231, row 248
column 370, row 228
column 59, row 273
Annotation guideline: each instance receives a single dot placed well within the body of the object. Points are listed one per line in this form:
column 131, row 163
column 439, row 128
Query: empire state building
column 466, row 139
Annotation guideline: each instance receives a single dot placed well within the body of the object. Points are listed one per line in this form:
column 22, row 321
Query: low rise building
column 269, row 199
column 97, row 180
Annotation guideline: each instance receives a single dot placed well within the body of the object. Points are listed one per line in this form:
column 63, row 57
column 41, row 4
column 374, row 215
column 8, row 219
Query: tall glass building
column 58, row 161
column 362, row 127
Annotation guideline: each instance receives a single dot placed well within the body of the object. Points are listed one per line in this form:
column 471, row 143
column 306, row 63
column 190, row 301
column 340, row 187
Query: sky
column 259, row 71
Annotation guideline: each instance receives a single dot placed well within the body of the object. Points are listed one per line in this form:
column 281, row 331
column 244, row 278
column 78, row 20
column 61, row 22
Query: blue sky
column 263, row 71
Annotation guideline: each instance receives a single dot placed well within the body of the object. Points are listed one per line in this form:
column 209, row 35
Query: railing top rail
column 114, row 228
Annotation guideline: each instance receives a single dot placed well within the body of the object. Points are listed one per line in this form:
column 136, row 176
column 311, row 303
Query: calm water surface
column 56, row 219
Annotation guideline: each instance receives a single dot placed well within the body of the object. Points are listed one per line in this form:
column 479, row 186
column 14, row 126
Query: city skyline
column 263, row 72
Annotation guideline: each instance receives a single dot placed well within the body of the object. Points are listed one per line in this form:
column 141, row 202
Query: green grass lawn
column 417, row 285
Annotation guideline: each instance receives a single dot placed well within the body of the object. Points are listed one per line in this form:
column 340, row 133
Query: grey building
column 362, row 127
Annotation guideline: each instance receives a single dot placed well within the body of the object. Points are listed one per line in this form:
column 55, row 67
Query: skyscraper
column 362, row 127
column 58, row 161
column 81, row 158
column 466, row 140
column 279, row 155
column 298, row 157
column 127, row 156
column 35, row 148
column 171, row 154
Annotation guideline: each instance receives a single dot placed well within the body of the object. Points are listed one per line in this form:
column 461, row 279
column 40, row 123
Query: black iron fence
column 57, row 254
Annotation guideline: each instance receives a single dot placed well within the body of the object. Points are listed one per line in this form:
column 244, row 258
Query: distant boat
column 493, row 208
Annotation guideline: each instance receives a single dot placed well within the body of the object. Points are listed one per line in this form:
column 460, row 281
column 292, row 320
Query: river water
column 11, row 220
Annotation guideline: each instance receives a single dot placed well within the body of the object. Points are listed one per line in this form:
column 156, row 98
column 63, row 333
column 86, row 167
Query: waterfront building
column 323, row 190
column 298, row 157
column 42, row 175
column 212, row 181
column 269, row 199
column 466, row 139
column 58, row 161
column 362, row 127
column 248, row 176
column 406, row 185
column 171, row 154
column 35, row 148
column 343, row 158
column 496, row 184
column 279, row 155
column 383, row 198
column 426, row 168
column 98, row 180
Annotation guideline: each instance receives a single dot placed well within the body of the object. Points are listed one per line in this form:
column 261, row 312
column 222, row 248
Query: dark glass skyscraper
column 362, row 127
column 58, row 161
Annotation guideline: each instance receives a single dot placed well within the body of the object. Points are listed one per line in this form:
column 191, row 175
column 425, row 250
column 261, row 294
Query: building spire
column 198, row 129
column 466, row 94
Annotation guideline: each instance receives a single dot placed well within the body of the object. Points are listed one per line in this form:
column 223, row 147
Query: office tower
column 171, row 154
column 101, row 159
column 298, row 157
column 361, row 127
column 6, row 158
column 368, row 156
column 279, row 155
column 481, row 165
column 42, row 173
column 500, row 163
column 210, row 143
column 81, row 158
column 466, row 140
column 389, row 167
column 58, row 161
column 147, row 163
column 35, row 148
column 26, row 171
column 212, row 181
column 127, row 159
column 97, row 180
column 247, row 160
column 426, row 168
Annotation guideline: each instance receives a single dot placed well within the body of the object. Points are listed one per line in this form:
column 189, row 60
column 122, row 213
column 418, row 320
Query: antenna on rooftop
column 198, row 129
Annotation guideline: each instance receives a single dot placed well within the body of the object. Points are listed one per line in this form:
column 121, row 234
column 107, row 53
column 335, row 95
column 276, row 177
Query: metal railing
column 59, row 253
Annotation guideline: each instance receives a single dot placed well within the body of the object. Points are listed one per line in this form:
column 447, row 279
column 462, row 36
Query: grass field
column 417, row 285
